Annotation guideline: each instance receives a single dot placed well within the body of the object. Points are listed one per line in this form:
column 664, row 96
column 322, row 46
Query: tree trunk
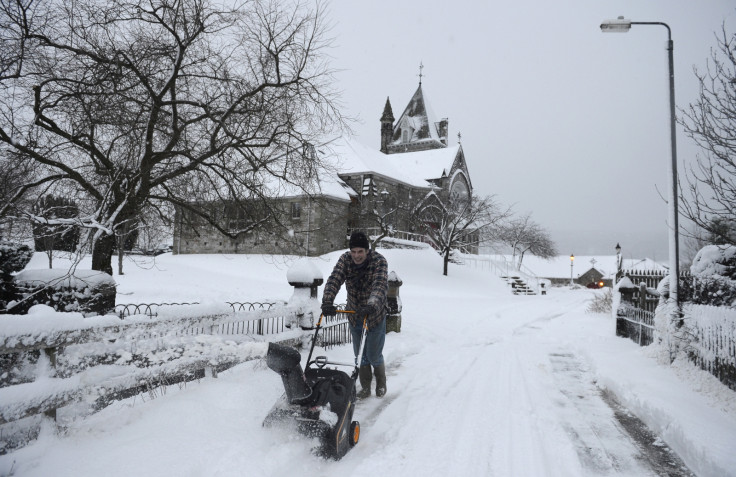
column 121, row 245
column 102, row 253
column 446, row 260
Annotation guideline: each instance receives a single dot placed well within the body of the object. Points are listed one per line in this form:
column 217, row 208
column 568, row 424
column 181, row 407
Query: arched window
column 459, row 189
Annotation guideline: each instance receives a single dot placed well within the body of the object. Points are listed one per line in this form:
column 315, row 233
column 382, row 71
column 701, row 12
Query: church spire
column 388, row 114
column 387, row 126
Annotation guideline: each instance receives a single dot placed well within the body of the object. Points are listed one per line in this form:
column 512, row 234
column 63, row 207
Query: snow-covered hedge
column 714, row 276
column 90, row 292
column 13, row 257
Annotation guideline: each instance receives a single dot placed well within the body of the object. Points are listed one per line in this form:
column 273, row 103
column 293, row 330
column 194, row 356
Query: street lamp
column 572, row 260
column 622, row 25
column 619, row 263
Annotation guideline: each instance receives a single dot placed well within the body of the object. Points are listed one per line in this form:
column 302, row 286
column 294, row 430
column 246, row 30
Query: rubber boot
column 366, row 376
column 380, row 380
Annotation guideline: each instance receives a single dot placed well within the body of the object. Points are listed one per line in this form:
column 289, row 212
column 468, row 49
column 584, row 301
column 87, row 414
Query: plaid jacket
column 365, row 285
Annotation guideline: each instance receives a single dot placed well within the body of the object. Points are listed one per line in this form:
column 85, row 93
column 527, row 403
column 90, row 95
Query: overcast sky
column 557, row 118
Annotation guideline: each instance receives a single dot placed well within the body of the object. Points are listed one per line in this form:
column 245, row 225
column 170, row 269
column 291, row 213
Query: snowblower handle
column 361, row 348
column 316, row 330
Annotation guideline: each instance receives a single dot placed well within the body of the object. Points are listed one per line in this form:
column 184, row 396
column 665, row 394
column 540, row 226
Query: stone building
column 414, row 166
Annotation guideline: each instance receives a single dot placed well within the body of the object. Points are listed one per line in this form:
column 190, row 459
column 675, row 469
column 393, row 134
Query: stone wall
column 315, row 227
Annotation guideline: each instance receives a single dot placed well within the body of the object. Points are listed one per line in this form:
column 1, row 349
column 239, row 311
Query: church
column 375, row 190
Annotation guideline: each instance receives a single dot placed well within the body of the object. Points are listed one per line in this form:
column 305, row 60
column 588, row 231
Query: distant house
column 414, row 166
column 593, row 276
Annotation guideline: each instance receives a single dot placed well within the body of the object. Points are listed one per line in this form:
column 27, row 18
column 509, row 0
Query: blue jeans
column 376, row 337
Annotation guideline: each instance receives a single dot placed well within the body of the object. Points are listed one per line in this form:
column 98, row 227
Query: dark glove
column 329, row 309
column 365, row 310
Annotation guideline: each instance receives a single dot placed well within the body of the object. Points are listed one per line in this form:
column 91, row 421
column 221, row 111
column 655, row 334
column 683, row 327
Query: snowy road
column 481, row 383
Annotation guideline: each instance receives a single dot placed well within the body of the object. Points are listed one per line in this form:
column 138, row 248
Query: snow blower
column 320, row 399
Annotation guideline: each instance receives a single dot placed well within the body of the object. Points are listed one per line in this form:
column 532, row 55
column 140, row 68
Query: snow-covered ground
column 481, row 382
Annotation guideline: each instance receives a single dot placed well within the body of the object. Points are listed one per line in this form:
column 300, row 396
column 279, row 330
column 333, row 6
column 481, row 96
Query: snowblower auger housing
column 319, row 400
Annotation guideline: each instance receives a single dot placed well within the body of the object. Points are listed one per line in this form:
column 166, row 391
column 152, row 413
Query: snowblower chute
column 320, row 399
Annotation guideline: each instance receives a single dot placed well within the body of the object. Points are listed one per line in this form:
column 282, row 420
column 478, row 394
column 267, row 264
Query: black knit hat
column 359, row 239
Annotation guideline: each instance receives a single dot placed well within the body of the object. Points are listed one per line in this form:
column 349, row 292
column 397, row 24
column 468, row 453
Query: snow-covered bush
column 13, row 257
column 714, row 276
column 601, row 302
column 85, row 291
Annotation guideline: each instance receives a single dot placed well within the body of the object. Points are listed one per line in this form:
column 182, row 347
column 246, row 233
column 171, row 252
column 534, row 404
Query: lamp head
column 572, row 257
column 618, row 248
column 619, row 25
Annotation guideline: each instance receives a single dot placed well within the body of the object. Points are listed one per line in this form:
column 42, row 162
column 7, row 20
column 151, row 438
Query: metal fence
column 636, row 324
column 713, row 343
column 149, row 309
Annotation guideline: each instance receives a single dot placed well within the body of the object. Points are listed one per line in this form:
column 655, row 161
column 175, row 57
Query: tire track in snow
column 527, row 441
column 601, row 445
column 609, row 439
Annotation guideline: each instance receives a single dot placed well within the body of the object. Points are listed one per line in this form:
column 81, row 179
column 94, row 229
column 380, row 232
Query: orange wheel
column 354, row 433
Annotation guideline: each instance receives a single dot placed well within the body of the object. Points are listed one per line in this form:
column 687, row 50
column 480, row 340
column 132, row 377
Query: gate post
column 393, row 319
column 306, row 279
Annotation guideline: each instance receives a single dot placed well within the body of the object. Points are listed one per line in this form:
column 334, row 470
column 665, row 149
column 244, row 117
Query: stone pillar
column 625, row 287
column 393, row 319
column 304, row 276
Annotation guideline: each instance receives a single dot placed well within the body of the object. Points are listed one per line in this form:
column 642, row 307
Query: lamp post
column 619, row 263
column 572, row 260
column 622, row 25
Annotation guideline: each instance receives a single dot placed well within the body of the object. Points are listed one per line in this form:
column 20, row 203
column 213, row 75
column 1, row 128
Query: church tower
column 416, row 129
column 387, row 126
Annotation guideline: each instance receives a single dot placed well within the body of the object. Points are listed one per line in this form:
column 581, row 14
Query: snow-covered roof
column 413, row 168
column 430, row 164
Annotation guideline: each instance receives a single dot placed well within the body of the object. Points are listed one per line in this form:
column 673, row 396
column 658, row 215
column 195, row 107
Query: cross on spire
column 459, row 137
column 421, row 67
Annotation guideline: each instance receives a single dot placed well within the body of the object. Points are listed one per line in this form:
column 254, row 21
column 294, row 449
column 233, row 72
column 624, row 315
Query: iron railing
column 250, row 306
column 636, row 324
column 150, row 309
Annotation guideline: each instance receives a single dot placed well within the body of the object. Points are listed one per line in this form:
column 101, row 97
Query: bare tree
column 132, row 104
column 710, row 201
column 459, row 222
column 524, row 235
column 14, row 172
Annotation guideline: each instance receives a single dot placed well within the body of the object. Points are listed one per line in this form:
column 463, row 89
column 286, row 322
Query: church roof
column 430, row 164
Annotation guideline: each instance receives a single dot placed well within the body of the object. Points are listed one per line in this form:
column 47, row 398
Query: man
column 365, row 275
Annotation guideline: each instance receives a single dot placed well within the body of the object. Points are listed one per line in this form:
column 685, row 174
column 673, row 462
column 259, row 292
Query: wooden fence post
column 51, row 354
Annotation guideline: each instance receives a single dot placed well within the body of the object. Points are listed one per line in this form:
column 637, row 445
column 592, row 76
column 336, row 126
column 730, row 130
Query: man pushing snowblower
column 365, row 275
column 320, row 399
